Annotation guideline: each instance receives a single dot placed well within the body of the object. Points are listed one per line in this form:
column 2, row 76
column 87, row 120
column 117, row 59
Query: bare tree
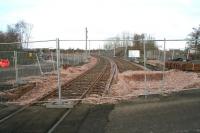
column 24, row 29
column 9, row 36
column 137, row 41
column 19, row 32
column 195, row 35
column 125, row 44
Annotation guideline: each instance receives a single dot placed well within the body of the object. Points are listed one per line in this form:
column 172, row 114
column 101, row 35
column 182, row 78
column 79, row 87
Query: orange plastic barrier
column 4, row 63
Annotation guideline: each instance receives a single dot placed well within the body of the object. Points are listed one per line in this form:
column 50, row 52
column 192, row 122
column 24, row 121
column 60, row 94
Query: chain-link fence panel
column 7, row 72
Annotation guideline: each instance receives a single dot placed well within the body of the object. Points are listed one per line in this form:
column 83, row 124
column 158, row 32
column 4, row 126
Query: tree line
column 133, row 41
column 195, row 43
column 19, row 32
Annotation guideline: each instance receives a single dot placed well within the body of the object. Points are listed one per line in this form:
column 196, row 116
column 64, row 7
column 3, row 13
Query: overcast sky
column 67, row 19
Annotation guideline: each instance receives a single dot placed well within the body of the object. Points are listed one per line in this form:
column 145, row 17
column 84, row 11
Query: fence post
column 39, row 64
column 89, row 48
column 145, row 75
column 16, row 68
column 62, row 59
column 67, row 58
column 173, row 54
column 114, row 50
column 78, row 58
column 164, row 59
column 73, row 58
column 125, row 52
column 58, row 69
column 100, row 52
column 52, row 61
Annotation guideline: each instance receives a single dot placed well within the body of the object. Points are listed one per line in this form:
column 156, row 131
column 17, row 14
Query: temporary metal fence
column 23, row 64
column 8, row 73
column 155, row 57
column 48, row 56
column 158, row 57
column 36, row 61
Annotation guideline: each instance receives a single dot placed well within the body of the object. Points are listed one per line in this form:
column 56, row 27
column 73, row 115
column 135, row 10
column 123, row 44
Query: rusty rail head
column 66, row 84
column 113, row 73
column 96, row 80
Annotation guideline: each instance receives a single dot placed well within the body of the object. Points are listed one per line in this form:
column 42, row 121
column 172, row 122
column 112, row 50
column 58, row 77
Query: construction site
column 120, row 89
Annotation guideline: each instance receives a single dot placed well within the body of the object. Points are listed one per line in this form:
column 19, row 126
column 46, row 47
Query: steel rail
column 43, row 97
column 52, row 129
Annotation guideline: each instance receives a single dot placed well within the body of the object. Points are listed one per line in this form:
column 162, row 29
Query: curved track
column 124, row 65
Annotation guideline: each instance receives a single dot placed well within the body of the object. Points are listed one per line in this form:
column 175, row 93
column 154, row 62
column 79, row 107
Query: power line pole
column 114, row 50
column 86, row 38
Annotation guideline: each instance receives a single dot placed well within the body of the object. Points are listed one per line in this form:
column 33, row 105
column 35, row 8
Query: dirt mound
column 140, row 75
column 131, row 82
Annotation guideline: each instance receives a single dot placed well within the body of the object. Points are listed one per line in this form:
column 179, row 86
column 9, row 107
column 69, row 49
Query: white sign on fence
column 134, row 53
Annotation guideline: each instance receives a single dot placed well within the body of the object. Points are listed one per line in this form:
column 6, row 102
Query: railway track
column 92, row 82
column 124, row 65
column 87, row 83
column 99, row 87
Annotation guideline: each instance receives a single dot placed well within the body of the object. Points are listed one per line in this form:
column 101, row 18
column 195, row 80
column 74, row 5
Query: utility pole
column 114, row 50
column 86, row 38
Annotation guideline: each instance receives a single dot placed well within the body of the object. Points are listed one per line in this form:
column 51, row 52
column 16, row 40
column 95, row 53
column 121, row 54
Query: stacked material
column 185, row 66
column 140, row 75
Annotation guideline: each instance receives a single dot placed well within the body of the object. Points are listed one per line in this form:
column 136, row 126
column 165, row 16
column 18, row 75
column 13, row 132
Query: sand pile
column 174, row 80
column 130, row 84
column 140, row 75
column 82, row 68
